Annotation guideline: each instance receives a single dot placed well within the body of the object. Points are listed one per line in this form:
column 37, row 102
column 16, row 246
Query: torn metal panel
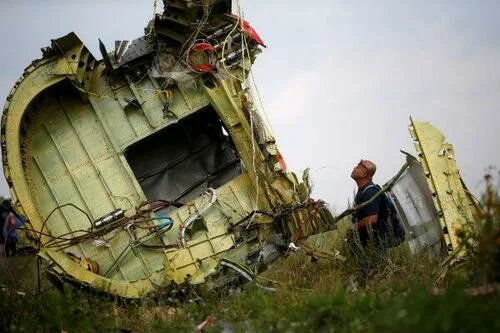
column 127, row 51
column 413, row 200
column 431, row 198
column 451, row 198
column 151, row 168
column 183, row 160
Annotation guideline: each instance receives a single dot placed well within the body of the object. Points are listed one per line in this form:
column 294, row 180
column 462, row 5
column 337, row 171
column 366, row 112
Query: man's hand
column 366, row 221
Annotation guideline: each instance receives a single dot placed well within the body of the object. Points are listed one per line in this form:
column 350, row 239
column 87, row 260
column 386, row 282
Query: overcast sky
column 339, row 79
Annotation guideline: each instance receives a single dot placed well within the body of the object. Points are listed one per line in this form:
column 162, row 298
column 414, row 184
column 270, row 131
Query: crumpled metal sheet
column 127, row 51
column 413, row 200
column 69, row 166
column 452, row 199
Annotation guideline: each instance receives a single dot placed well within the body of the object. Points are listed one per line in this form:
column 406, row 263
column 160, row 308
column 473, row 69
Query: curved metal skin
column 72, row 124
column 452, row 199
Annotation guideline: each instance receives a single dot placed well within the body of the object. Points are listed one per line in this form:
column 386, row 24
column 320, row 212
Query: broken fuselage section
column 431, row 198
column 152, row 167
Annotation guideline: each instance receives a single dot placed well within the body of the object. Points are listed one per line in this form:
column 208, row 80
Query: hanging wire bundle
column 140, row 220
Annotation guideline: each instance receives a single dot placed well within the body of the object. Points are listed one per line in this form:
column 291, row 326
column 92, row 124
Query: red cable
column 202, row 47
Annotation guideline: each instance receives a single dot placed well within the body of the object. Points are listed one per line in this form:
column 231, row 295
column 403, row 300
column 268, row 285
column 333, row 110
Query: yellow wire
column 157, row 92
column 238, row 22
column 244, row 47
column 259, row 96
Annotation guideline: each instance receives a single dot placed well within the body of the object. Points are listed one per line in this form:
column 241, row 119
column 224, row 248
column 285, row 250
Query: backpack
column 396, row 230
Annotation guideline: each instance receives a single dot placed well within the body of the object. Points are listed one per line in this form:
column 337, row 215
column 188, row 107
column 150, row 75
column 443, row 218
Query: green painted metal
column 451, row 197
column 66, row 128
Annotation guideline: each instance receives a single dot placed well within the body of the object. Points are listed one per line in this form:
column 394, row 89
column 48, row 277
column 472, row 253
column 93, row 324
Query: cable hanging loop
column 201, row 49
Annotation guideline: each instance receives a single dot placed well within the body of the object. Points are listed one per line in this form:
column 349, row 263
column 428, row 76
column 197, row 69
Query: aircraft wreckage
column 152, row 168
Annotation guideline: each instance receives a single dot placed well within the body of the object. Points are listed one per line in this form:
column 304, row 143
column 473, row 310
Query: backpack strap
column 385, row 198
column 370, row 186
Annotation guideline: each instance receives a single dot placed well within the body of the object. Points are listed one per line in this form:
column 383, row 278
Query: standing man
column 370, row 222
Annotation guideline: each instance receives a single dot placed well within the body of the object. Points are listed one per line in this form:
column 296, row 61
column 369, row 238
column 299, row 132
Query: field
column 402, row 293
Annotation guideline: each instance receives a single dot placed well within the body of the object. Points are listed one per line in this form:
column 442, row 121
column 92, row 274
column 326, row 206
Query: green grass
column 310, row 297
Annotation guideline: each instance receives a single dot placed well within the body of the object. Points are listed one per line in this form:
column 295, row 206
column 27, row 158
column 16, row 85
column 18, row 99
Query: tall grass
column 398, row 295
column 481, row 240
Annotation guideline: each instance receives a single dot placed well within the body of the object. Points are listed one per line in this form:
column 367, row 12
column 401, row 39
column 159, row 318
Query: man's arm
column 369, row 214
column 366, row 221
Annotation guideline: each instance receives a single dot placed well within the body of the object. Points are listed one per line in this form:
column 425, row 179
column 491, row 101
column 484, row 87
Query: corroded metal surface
column 415, row 205
column 453, row 201
column 87, row 143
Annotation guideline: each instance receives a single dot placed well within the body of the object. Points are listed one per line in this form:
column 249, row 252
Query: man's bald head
column 365, row 169
column 370, row 167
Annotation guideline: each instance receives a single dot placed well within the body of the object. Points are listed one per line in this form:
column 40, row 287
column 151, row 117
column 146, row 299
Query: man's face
column 359, row 171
